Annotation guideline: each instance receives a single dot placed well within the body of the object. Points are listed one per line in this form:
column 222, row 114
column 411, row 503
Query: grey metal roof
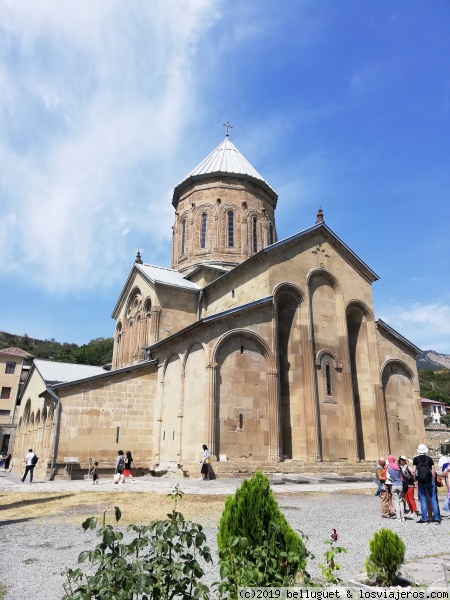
column 224, row 160
column 58, row 372
column 166, row 276
column 93, row 377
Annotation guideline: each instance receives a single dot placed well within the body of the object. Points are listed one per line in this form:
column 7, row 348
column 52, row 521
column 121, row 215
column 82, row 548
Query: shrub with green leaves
column 387, row 553
column 252, row 513
column 160, row 562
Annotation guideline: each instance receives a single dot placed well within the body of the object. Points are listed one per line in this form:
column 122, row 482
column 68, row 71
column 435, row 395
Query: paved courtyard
column 48, row 545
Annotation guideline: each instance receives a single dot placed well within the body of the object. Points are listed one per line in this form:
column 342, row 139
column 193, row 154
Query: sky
column 106, row 106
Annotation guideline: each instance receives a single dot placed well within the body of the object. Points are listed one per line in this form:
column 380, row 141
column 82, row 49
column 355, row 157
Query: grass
column 136, row 507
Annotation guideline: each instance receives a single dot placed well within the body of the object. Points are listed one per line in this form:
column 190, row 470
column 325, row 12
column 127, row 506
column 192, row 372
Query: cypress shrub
column 249, row 513
column 387, row 553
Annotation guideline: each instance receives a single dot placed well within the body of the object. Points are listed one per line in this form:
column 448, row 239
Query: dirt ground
column 136, row 508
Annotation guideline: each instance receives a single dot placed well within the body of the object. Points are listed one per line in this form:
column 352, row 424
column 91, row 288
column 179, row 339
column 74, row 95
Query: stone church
column 266, row 350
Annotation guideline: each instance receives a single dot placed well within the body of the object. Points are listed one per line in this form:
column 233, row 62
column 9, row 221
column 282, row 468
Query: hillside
column 429, row 359
column 97, row 352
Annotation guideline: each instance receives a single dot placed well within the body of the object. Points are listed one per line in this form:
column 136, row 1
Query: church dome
column 224, row 161
column 224, row 212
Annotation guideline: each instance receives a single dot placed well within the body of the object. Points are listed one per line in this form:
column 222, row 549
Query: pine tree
column 248, row 514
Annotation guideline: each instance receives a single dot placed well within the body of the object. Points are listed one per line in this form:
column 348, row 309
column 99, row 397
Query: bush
column 255, row 541
column 160, row 562
column 445, row 420
column 387, row 553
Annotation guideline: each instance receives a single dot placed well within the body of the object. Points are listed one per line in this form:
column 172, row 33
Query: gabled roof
column 15, row 352
column 58, row 372
column 156, row 276
column 342, row 248
column 225, row 160
column 395, row 334
column 435, row 402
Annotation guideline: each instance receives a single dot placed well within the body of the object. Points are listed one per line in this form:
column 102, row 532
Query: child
column 95, row 474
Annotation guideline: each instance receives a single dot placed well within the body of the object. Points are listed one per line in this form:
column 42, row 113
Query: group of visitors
column 397, row 482
column 123, row 467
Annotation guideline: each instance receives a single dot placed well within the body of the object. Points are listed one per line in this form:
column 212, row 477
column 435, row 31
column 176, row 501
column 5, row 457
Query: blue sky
column 106, row 106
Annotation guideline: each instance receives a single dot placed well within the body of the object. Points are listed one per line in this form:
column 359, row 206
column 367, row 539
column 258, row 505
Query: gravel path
column 36, row 551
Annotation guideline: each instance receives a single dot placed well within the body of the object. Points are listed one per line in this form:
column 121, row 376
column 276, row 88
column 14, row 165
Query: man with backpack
column 30, row 462
column 423, row 470
column 120, row 466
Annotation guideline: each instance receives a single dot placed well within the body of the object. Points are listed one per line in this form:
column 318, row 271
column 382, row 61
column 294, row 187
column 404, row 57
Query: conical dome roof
column 225, row 160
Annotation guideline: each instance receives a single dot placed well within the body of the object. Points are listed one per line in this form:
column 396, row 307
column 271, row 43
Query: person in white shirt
column 29, row 466
column 444, row 459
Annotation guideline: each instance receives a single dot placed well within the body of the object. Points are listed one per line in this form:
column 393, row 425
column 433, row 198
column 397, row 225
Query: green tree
column 387, row 553
column 252, row 513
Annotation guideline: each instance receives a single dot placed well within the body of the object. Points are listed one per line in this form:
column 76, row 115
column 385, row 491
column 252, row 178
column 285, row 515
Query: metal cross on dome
column 228, row 126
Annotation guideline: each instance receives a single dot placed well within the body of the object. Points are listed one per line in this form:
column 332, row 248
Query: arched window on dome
column 271, row 240
column 230, row 228
column 254, row 234
column 183, row 236
column 203, row 232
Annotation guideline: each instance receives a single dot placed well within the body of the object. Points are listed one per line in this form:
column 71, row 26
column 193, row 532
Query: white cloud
column 426, row 325
column 93, row 105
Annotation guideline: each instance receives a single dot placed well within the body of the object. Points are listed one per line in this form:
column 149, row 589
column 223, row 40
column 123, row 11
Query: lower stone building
column 266, row 350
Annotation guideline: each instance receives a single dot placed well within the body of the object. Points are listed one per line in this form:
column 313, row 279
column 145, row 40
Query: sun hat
column 403, row 457
column 422, row 449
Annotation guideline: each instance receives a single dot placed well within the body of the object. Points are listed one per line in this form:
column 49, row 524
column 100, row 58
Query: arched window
column 230, row 228
column 203, row 233
column 241, row 421
column 270, row 234
column 183, row 236
column 328, row 380
column 254, row 235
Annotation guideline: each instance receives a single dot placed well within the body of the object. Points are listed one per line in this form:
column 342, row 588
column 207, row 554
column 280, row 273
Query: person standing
column 396, row 478
column 205, row 462
column 8, row 465
column 424, row 471
column 127, row 470
column 381, row 478
column 408, row 485
column 29, row 465
column 95, row 474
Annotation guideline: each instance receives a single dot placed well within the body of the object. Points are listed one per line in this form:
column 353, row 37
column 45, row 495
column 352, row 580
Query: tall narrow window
column 230, row 223
column 254, row 235
column 183, row 236
column 328, row 380
column 203, row 234
column 270, row 234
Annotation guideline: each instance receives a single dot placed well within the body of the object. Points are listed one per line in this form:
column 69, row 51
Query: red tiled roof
column 428, row 401
column 16, row 352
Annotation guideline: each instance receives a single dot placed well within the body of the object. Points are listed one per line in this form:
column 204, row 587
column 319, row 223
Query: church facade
column 266, row 350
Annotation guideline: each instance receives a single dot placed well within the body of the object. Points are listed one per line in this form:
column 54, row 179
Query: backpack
column 423, row 469
column 121, row 463
column 34, row 459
